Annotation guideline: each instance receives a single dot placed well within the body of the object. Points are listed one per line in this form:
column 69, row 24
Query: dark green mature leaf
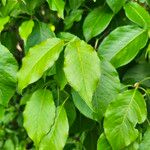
column 123, row 44
column 8, row 8
column 137, row 14
column 44, row 56
column 137, row 73
column 109, row 81
column 60, row 75
column 39, row 115
column 41, row 32
column 57, row 5
column 8, row 75
column 75, row 4
column 96, row 22
column 121, row 117
column 57, row 136
column 102, row 143
column 145, row 144
column 3, row 21
column 115, row 5
column 83, row 107
column 75, row 15
column 82, row 69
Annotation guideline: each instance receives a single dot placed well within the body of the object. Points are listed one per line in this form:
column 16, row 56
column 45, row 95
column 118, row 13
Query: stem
column 145, row 79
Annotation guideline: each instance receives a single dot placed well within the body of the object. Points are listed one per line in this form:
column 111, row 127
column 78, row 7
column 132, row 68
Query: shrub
column 74, row 74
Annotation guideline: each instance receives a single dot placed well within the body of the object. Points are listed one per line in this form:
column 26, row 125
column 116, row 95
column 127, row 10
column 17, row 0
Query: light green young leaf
column 109, row 81
column 39, row 115
column 137, row 14
column 8, row 75
column 115, row 5
column 145, row 144
column 82, row 69
column 57, row 5
column 39, row 58
column 123, row 44
column 121, row 117
column 3, row 21
column 102, row 143
column 4, row 2
column 25, row 29
column 96, row 22
column 58, row 134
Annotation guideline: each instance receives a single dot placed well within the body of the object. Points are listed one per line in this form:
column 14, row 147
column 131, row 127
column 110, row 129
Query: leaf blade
column 44, row 54
column 83, row 71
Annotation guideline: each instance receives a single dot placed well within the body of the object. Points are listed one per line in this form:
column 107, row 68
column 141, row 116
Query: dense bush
column 74, row 74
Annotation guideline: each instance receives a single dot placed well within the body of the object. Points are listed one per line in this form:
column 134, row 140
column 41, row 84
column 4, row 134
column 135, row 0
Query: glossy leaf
column 115, row 5
column 102, row 143
column 137, row 14
column 109, row 81
column 39, row 115
column 57, row 5
column 96, row 22
column 57, row 136
column 3, row 21
column 8, row 75
column 121, row 51
column 145, row 144
column 121, row 117
column 25, row 29
column 82, row 69
column 44, row 54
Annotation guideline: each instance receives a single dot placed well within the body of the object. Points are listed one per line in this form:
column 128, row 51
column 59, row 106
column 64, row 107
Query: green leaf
column 57, row 5
column 4, row 2
column 102, row 143
column 3, row 21
column 2, row 112
column 96, row 22
column 121, row 51
column 83, row 107
column 9, row 145
column 40, row 32
column 38, row 60
column 25, row 29
column 74, row 16
column 109, row 81
column 75, row 4
column 39, row 115
column 60, row 75
column 132, row 75
column 57, row 136
column 145, row 144
column 8, row 8
column 8, row 75
column 82, row 69
column 121, row 117
column 137, row 14
column 115, row 5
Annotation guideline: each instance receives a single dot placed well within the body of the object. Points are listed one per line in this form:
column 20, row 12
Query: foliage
column 74, row 74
